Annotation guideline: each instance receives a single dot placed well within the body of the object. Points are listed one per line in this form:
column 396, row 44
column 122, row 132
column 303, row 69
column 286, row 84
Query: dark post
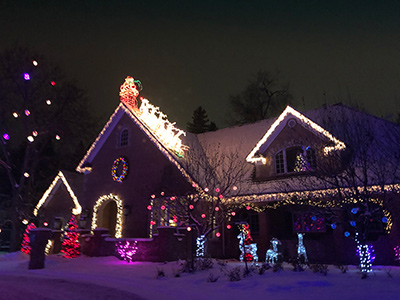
column 38, row 242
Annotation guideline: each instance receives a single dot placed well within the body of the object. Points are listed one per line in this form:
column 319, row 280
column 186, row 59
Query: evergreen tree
column 200, row 123
column 71, row 245
column 25, row 245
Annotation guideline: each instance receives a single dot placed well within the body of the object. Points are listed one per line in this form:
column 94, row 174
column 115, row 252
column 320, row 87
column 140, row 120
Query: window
column 123, row 139
column 308, row 222
column 295, row 159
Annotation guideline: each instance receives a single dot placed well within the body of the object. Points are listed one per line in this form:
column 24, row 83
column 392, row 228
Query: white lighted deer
column 301, row 250
column 272, row 254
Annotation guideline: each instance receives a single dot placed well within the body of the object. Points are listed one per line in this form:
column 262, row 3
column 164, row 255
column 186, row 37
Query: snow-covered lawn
column 110, row 278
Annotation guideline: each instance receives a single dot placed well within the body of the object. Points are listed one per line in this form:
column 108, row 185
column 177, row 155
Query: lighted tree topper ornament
column 152, row 117
column 117, row 162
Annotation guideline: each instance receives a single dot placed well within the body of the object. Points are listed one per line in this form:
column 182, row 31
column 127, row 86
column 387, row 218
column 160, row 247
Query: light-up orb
column 26, row 76
column 30, row 138
column 48, row 102
column 58, row 137
column 218, row 234
column 6, row 136
column 15, row 115
column 26, row 174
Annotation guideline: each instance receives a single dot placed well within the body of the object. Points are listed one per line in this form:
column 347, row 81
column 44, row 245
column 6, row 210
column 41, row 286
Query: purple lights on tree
column 126, row 250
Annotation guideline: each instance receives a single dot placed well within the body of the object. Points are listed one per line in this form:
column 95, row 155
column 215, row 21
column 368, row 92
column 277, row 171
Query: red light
column 248, row 207
column 203, row 215
column 53, row 83
column 45, row 224
column 220, row 196
column 162, row 193
column 216, row 208
column 218, row 234
column 149, row 207
column 191, row 206
column 217, row 190
column 162, row 207
column 152, row 223
column 228, row 226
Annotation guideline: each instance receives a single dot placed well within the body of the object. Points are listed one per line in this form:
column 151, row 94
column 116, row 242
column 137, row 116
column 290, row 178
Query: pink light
column 248, row 207
column 216, row 208
column 220, row 196
column 191, row 206
column 234, row 188
column 45, row 224
column 153, row 196
column 233, row 213
column 149, row 207
column 53, row 83
column 162, row 207
column 228, row 226
column 203, row 215
column 27, row 112
column 189, row 228
column 206, row 189
column 6, row 136
column 194, row 184
column 152, row 223
column 217, row 190
column 26, row 76
column 218, row 234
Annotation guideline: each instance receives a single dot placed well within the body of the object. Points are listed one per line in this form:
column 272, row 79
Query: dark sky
column 192, row 53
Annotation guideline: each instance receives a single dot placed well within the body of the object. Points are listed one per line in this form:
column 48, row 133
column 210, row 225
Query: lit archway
column 102, row 200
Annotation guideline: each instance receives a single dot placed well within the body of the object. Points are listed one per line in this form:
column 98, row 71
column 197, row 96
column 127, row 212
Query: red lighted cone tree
column 25, row 245
column 70, row 245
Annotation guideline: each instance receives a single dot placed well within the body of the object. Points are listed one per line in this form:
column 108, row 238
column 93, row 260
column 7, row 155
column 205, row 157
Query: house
column 297, row 173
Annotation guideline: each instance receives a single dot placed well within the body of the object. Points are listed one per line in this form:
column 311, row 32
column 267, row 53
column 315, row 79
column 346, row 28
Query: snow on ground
column 110, row 278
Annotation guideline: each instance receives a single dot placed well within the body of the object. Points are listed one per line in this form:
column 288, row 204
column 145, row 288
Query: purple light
column 26, row 76
column 27, row 112
column 6, row 136
column 126, row 250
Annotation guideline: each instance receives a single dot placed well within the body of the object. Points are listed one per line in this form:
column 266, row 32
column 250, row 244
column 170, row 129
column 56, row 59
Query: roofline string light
column 254, row 158
column 76, row 210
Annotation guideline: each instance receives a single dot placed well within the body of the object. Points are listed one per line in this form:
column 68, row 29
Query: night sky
column 192, row 53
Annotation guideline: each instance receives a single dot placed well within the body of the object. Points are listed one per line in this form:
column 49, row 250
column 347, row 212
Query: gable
column 289, row 118
column 59, row 181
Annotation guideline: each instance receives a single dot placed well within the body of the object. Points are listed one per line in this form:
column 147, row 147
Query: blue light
column 347, row 234
column 313, row 218
column 333, row 225
column 354, row 210
column 384, row 220
column 353, row 223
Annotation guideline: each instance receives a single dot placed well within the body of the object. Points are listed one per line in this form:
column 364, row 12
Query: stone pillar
column 38, row 242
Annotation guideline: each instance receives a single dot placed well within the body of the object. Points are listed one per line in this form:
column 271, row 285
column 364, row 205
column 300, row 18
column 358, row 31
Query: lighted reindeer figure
column 272, row 254
column 301, row 250
column 248, row 250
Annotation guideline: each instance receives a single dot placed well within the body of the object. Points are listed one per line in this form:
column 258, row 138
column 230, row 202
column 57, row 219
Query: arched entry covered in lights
column 107, row 213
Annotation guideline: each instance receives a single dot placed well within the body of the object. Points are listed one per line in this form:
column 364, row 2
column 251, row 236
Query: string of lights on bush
column 126, row 250
column 124, row 172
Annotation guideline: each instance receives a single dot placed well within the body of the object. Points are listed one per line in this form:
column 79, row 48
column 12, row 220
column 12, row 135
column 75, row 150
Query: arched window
column 123, row 139
column 295, row 159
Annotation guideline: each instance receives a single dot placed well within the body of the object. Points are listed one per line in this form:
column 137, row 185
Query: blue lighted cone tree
column 43, row 117
column 70, row 245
